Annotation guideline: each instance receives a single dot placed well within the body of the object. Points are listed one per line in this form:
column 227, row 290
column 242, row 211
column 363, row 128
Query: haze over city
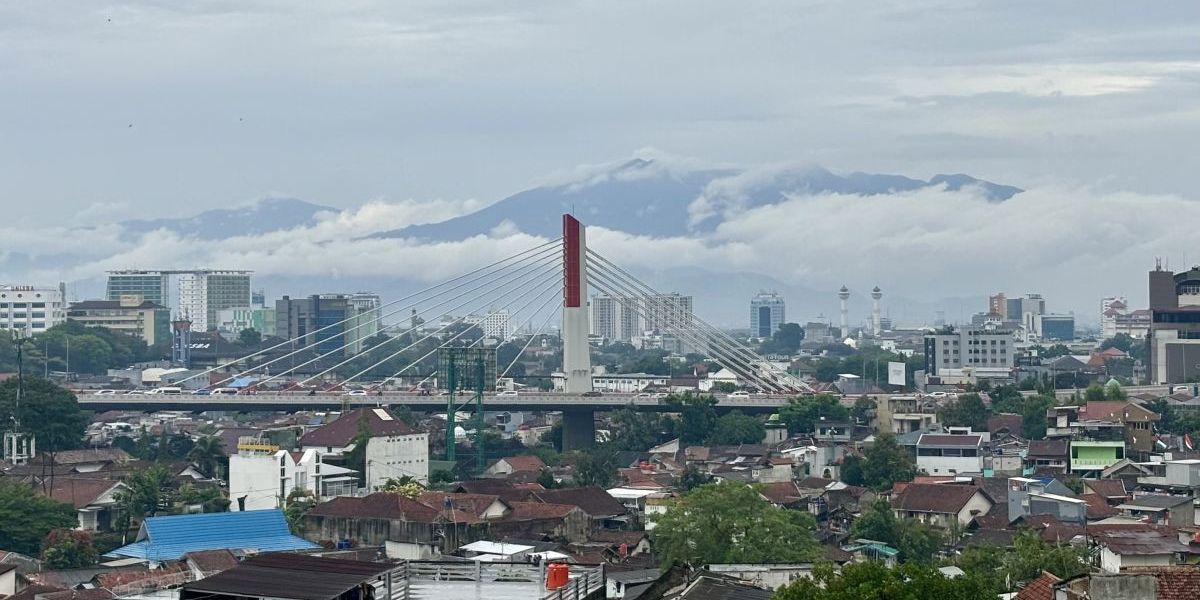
column 567, row 299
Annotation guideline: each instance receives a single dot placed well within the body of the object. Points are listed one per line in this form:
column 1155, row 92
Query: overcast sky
column 164, row 108
column 147, row 105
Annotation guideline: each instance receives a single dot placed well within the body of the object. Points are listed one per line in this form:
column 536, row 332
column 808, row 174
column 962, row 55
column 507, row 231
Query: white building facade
column 31, row 310
column 203, row 294
column 261, row 476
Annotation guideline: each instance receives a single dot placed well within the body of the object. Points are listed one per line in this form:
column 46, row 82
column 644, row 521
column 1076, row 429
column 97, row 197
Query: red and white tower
column 577, row 362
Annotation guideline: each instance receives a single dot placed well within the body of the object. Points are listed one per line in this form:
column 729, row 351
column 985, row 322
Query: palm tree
column 207, row 455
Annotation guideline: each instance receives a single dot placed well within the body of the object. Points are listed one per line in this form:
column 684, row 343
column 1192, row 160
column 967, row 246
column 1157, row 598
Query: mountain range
column 643, row 197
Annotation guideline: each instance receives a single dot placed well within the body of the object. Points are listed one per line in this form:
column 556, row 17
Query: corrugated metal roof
column 169, row 538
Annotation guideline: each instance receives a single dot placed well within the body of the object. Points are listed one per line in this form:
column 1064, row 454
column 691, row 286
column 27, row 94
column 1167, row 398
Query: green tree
column 737, row 428
column 249, row 337
column 26, row 518
column 885, row 463
column 596, row 466
column 147, row 492
column 51, row 413
column 207, row 455
column 1031, row 555
column 295, row 507
column 68, row 549
column 876, row 581
column 802, row 414
column 852, row 470
column 731, row 523
column 636, row 431
column 968, row 410
column 692, row 477
column 697, row 416
column 1122, row 341
column 785, row 340
column 1033, row 416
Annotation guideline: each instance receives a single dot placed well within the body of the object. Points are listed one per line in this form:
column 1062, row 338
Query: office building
column 968, row 354
column 1111, row 308
column 766, row 314
column 1174, row 333
column 231, row 321
column 366, row 319
column 1057, row 328
column 328, row 321
column 1024, row 312
column 131, row 315
column 204, row 293
column 998, row 305
column 31, row 310
column 624, row 318
column 493, row 324
column 152, row 286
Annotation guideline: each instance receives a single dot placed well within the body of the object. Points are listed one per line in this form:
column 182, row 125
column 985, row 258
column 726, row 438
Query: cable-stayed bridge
column 531, row 287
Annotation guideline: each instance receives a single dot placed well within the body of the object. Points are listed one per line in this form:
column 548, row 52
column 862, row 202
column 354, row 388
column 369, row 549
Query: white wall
column 946, row 465
column 262, row 480
column 396, row 456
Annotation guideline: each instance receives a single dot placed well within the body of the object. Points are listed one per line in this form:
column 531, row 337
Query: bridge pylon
column 578, row 426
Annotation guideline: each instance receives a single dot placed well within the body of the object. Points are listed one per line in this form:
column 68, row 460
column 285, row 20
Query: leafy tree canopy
column 50, row 412
column 732, row 523
column 26, row 518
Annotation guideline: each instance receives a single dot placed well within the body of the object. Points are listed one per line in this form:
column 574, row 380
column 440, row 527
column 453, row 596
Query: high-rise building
column 1024, row 312
column 843, row 311
column 152, row 286
column 204, row 293
column 329, row 321
column 31, row 310
column 1174, row 334
column 998, row 305
column 493, row 324
column 766, row 314
column 1058, row 328
column 623, row 318
column 130, row 315
column 366, row 319
column 1111, row 309
column 970, row 347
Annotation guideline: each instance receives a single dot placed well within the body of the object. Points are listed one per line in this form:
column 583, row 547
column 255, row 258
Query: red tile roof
column 943, row 498
column 1041, row 588
column 380, row 505
column 1097, row 506
column 524, row 463
column 80, row 492
column 1108, row 488
column 475, row 504
column 594, row 501
column 339, row 433
column 527, row 511
column 1174, row 583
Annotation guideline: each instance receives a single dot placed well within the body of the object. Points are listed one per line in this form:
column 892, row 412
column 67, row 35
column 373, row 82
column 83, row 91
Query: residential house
column 1048, row 456
column 261, row 476
column 94, row 500
column 1161, row 509
column 941, row 504
column 394, row 448
column 1123, row 548
column 1028, row 496
column 515, row 464
column 602, row 509
column 1111, row 490
column 944, row 454
column 171, row 537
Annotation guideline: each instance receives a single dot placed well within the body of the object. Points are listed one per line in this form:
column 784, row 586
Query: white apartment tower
column 30, row 310
column 204, row 293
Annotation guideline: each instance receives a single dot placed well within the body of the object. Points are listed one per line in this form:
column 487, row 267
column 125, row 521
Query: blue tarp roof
column 242, row 382
column 169, row 538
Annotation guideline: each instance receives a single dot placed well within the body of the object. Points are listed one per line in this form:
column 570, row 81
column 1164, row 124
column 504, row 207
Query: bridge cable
column 555, row 243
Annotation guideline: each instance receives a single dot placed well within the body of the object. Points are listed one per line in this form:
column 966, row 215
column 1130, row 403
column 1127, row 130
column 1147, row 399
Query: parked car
column 356, row 393
column 739, row 394
column 106, row 392
column 225, row 391
column 202, row 392
column 507, row 393
column 170, row 389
